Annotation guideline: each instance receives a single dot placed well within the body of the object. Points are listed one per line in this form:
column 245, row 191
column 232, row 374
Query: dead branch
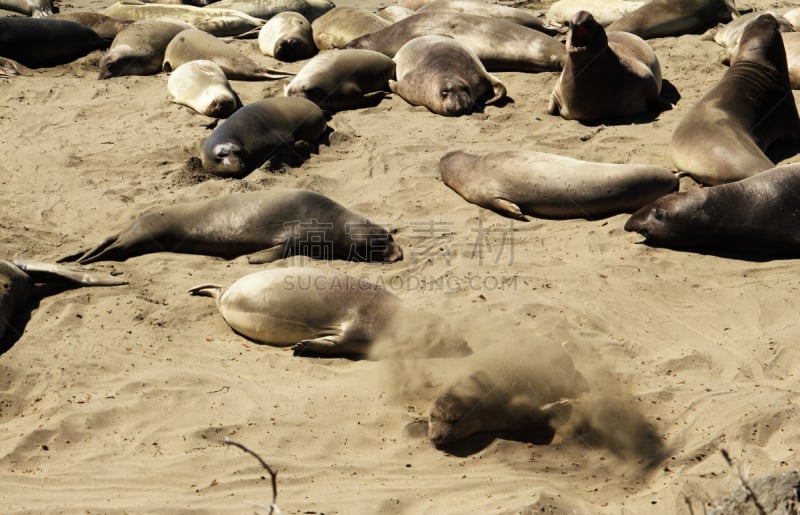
column 273, row 508
column 750, row 493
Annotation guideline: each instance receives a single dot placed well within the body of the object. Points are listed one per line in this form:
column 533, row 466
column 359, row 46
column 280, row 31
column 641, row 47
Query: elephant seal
column 605, row 12
column 520, row 396
column 756, row 216
column 268, row 225
column 793, row 16
column 34, row 8
column 18, row 278
column 336, row 80
column 341, row 25
column 730, row 34
column 201, row 85
column 322, row 312
column 519, row 183
column 443, row 75
column 287, row 37
column 723, row 137
column 194, row 44
column 660, row 18
column 139, row 48
column 519, row 16
column 259, row 130
column 394, row 13
column 219, row 22
column 791, row 43
column 105, row 26
column 606, row 76
column 501, row 45
column 266, row 9
column 42, row 42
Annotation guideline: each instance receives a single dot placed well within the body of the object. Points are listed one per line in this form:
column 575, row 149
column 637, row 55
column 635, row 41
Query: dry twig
column 273, row 508
column 750, row 493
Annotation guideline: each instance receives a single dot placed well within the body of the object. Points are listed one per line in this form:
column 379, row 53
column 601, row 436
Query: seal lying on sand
column 269, row 225
column 522, row 182
column 660, row 18
column 730, row 34
column 42, row 42
column 202, row 86
column 219, row 22
column 606, row 76
column 18, row 278
column 139, row 48
column 266, row 9
column 723, row 137
column 105, row 26
column 324, row 312
column 287, row 37
column 34, row 8
column 519, row 16
column 341, row 25
column 605, row 12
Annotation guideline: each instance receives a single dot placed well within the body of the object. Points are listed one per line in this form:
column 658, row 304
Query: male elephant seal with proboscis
column 321, row 312
column 269, row 225
column 606, row 76
column 723, row 137
column 202, row 86
column 445, row 76
column 519, row 183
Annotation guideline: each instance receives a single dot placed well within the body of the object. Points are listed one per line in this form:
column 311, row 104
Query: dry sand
column 117, row 399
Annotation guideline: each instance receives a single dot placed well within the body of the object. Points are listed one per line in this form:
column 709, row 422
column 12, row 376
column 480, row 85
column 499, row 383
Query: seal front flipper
column 41, row 272
column 268, row 255
column 97, row 253
column 329, row 346
column 507, row 208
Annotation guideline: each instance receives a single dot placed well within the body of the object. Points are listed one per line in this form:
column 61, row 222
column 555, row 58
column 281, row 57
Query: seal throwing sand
column 321, row 312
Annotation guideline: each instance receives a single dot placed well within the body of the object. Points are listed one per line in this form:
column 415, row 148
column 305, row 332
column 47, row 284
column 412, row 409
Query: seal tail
column 207, row 290
column 47, row 271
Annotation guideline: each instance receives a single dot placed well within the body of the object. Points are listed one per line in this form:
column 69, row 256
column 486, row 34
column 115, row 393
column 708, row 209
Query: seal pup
column 201, row 85
column 42, row 42
column 259, row 130
column 443, row 75
column 194, row 44
column 606, row 76
column 723, row 137
column 660, row 18
column 287, row 37
column 336, row 80
column 605, row 12
column 322, row 312
column 501, row 45
column 759, row 215
column 33, row 8
column 139, row 48
column 519, row 16
column 105, row 26
column 18, row 278
column 268, row 225
column 523, row 182
column 266, row 9
column 341, row 25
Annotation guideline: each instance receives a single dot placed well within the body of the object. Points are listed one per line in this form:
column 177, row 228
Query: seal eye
column 658, row 213
column 446, row 93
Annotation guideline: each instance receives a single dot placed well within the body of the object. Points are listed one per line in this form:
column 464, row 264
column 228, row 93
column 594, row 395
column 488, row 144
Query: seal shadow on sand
column 669, row 97
column 22, row 315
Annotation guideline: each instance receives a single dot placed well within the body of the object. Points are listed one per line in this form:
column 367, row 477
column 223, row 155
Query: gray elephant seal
column 501, row 45
column 519, row 16
column 34, row 8
column 42, row 42
column 216, row 21
column 266, row 9
column 201, row 85
column 194, row 44
column 259, row 130
column 139, row 48
column 287, row 37
column 660, row 18
column 268, row 225
column 730, row 34
column 394, row 13
column 724, row 136
column 105, row 26
column 605, row 12
column 336, row 80
column 519, row 183
column 322, row 312
column 341, row 25
column 18, row 278
column 606, row 76
column 757, row 215
column 443, row 75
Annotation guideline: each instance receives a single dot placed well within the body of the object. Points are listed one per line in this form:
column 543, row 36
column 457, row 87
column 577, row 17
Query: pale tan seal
column 34, row 8
column 443, row 75
column 194, row 44
column 287, row 37
column 525, row 182
column 660, row 18
column 343, row 79
column 605, row 12
column 341, row 25
column 139, row 48
column 791, row 43
column 323, row 312
column 723, row 137
column 201, row 85
column 606, row 76
column 105, row 26
column 520, row 16
column 266, row 9
column 729, row 35
column 394, row 13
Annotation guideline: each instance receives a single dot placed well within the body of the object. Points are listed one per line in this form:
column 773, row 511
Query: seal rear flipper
column 268, row 255
column 507, row 208
column 97, row 253
column 48, row 271
column 499, row 90
column 206, row 290
column 11, row 68
column 334, row 345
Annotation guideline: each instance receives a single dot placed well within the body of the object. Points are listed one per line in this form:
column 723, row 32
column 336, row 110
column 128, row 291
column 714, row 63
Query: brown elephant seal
column 528, row 397
column 34, row 8
column 660, row 18
column 323, row 312
column 730, row 34
column 443, row 75
column 341, row 25
column 394, row 13
column 258, row 131
column 139, row 48
column 105, row 26
column 287, row 37
column 519, row 16
column 519, row 183
column 723, row 137
column 501, row 45
column 605, row 12
column 336, row 80
column 18, row 278
column 42, row 42
column 268, row 225
column 606, row 76
column 216, row 21
column 266, row 9
column 754, row 216
column 201, row 85
column 194, row 44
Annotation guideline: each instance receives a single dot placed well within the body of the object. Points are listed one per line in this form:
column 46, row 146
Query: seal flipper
column 329, row 346
column 507, row 208
column 268, row 255
column 48, row 271
column 498, row 88
column 94, row 254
